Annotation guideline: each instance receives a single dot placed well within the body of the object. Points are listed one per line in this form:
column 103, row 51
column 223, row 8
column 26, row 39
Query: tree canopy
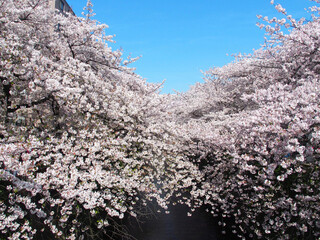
column 84, row 141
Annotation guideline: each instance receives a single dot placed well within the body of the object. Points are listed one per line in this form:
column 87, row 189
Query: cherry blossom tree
column 84, row 141
column 256, row 123
column 80, row 144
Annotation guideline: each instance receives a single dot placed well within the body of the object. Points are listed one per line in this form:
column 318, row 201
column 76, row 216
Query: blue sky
column 177, row 39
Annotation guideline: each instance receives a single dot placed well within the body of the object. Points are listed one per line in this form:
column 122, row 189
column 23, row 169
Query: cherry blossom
column 255, row 125
column 80, row 145
column 86, row 142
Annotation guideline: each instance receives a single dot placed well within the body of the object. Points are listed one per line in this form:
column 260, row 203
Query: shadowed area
column 178, row 226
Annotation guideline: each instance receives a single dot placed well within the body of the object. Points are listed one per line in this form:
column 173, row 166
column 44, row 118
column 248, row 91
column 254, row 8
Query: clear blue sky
column 177, row 39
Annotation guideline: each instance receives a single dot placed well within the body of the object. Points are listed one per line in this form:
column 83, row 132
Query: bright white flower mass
column 84, row 141
column 79, row 138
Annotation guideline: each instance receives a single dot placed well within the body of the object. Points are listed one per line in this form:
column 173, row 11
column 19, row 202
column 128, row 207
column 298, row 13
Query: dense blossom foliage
column 79, row 144
column 84, row 141
column 257, row 125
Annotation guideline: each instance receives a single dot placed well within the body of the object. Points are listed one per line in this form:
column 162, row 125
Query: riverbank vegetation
column 84, row 141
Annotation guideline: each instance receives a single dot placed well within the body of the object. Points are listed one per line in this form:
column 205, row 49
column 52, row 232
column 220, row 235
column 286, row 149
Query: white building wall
column 52, row 4
column 57, row 4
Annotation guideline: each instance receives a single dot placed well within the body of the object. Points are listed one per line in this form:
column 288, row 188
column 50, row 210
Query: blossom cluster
column 80, row 147
column 256, row 123
column 86, row 142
